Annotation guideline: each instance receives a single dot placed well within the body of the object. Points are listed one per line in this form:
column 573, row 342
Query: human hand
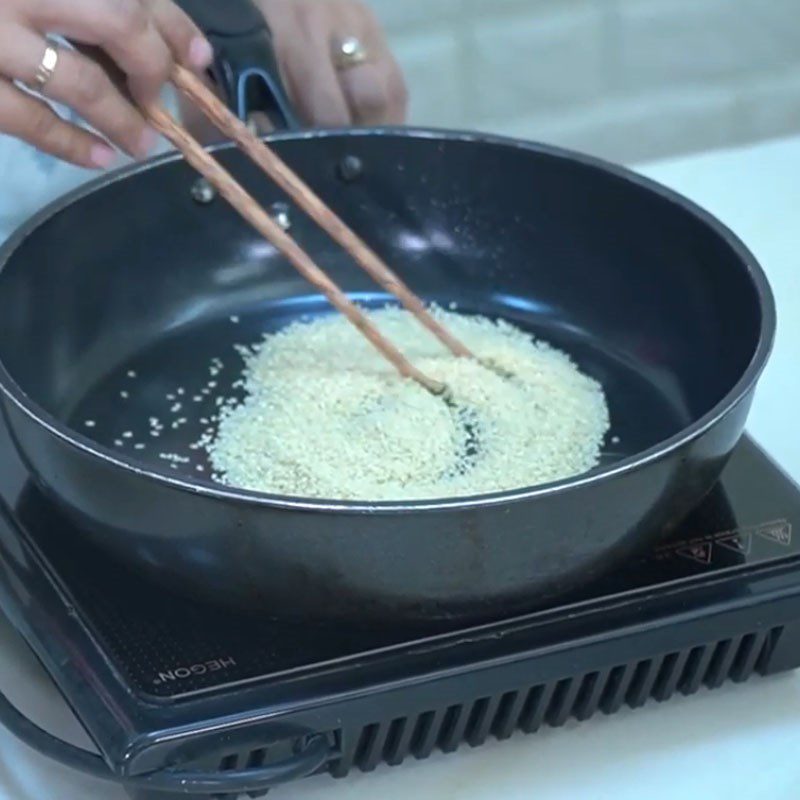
column 141, row 37
column 306, row 33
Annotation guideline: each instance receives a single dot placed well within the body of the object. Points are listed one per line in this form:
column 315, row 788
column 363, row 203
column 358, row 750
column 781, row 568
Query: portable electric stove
column 178, row 695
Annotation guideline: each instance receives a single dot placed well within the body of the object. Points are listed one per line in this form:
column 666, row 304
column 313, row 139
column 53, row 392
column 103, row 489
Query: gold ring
column 46, row 69
column 350, row 52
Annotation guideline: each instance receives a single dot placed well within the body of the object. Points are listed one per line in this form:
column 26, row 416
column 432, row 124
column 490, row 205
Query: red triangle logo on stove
column 779, row 532
column 701, row 552
column 738, row 542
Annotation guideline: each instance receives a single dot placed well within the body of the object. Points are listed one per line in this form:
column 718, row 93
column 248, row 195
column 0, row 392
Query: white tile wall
column 411, row 15
column 626, row 130
column 521, row 64
column 432, row 66
column 769, row 107
column 669, row 42
column 624, row 79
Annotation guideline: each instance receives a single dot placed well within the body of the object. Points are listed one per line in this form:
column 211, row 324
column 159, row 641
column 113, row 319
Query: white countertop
column 739, row 742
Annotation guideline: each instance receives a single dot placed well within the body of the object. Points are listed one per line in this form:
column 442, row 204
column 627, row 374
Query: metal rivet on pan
column 351, row 168
column 203, row 192
column 280, row 213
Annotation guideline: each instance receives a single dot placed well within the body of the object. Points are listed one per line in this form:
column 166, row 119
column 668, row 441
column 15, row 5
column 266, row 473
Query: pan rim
column 738, row 392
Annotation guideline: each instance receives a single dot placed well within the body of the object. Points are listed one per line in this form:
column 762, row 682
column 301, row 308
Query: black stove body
column 164, row 685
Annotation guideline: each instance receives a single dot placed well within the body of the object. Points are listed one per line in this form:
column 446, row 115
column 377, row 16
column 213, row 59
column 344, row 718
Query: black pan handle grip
column 312, row 752
column 245, row 65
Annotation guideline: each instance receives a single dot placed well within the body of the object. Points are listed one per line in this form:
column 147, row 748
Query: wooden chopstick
column 266, row 158
column 248, row 207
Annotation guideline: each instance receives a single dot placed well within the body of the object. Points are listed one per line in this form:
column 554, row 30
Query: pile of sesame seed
column 325, row 416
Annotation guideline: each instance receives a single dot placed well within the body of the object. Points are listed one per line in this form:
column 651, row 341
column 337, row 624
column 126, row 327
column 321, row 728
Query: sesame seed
column 174, row 457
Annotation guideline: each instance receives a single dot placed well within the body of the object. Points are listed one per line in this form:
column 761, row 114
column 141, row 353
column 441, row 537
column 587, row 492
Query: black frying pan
column 651, row 296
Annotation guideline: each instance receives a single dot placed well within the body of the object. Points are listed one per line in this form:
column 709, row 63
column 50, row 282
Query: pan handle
column 245, row 65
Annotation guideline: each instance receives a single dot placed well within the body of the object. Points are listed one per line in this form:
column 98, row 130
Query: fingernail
column 147, row 142
column 102, row 156
column 200, row 52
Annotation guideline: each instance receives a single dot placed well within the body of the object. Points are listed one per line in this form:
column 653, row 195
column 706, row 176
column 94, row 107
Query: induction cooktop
column 184, row 696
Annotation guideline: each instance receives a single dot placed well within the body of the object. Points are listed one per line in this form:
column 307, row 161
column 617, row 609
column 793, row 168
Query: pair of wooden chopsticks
column 302, row 194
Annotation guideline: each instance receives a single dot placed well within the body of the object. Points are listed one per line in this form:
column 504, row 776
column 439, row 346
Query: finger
column 397, row 93
column 195, row 121
column 381, row 97
column 375, row 93
column 81, row 84
column 125, row 29
column 25, row 117
column 365, row 92
column 187, row 43
column 311, row 77
column 107, row 64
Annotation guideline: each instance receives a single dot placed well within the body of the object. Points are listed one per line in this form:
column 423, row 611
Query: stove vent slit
column 256, row 758
column 669, row 675
column 229, row 762
column 562, row 702
column 451, row 728
column 426, row 733
column 616, row 688
column 767, row 649
column 370, row 746
column 481, row 720
column 506, row 720
column 695, row 669
column 744, row 661
column 398, row 740
column 644, row 679
column 591, row 691
column 535, row 708
column 721, row 661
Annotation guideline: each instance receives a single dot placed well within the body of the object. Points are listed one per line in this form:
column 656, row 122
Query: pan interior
column 178, row 380
column 135, row 277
